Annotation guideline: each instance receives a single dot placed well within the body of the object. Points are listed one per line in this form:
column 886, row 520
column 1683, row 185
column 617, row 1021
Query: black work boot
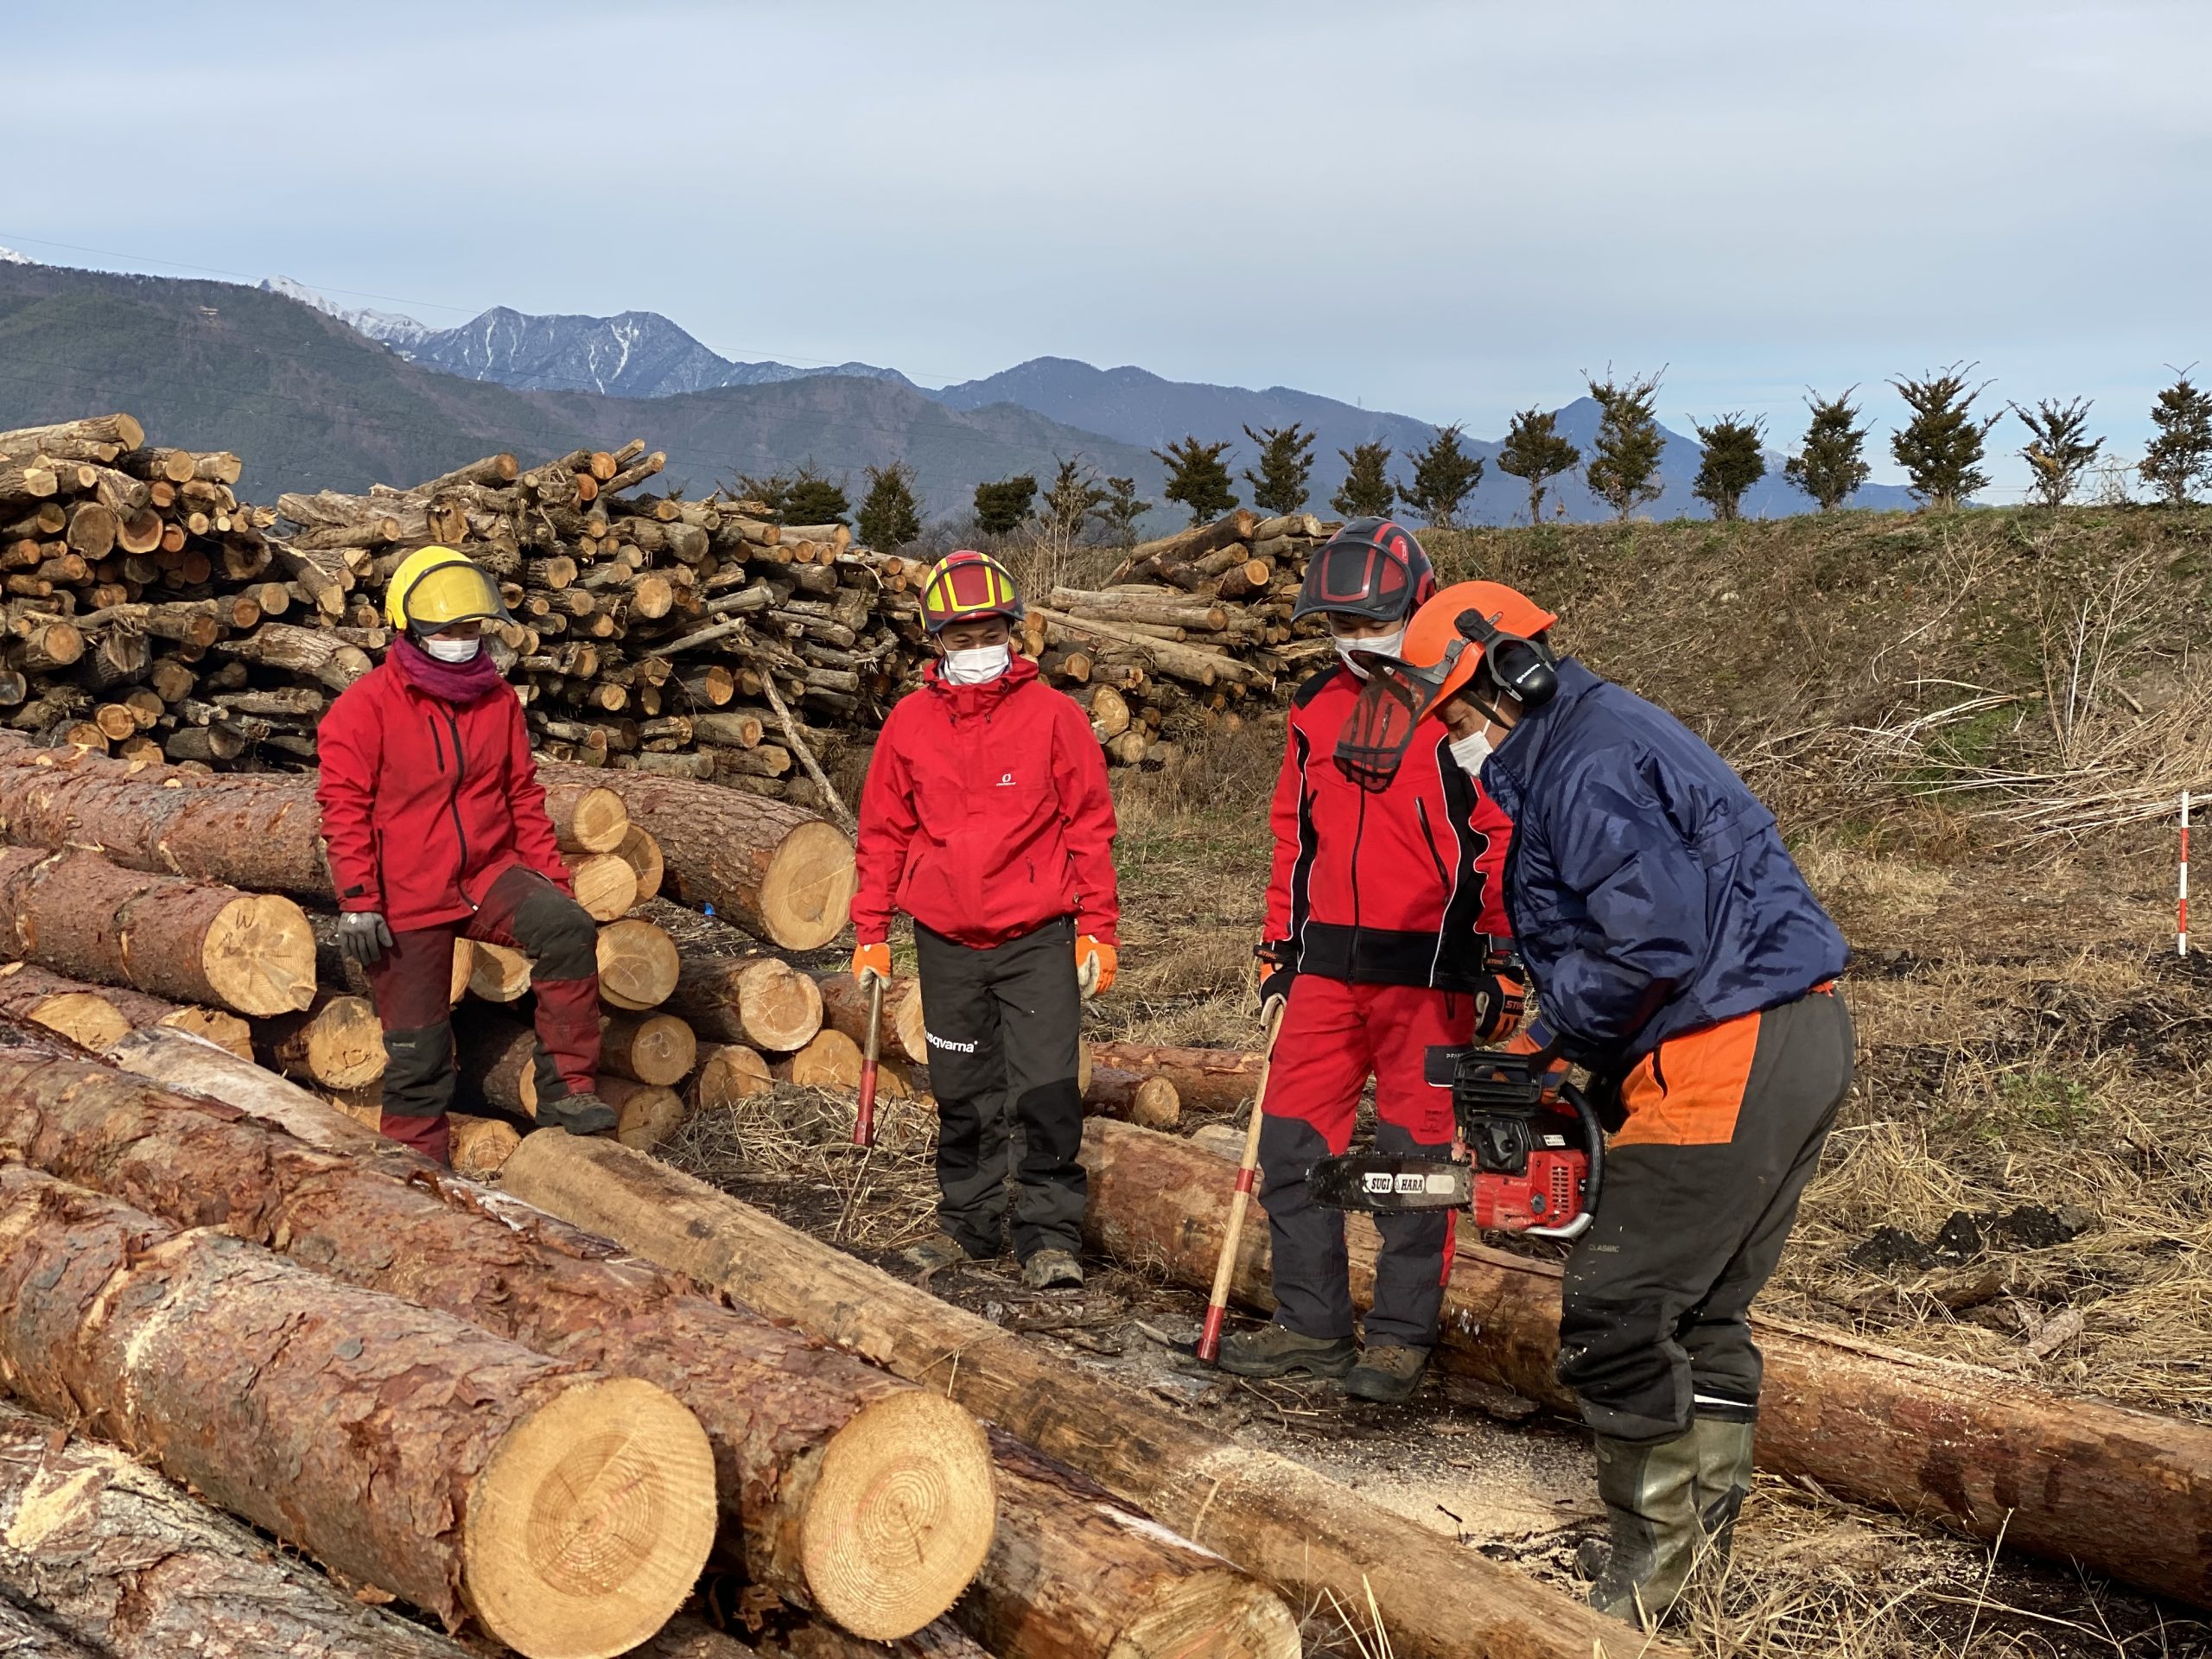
column 1277, row 1351
column 580, row 1113
column 1388, row 1374
column 1724, row 1478
column 1650, row 1498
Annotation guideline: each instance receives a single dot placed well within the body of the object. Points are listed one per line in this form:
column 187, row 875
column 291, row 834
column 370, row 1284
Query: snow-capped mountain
column 391, row 327
column 10, row 257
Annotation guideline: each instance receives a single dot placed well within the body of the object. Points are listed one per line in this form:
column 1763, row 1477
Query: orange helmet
column 1472, row 632
column 969, row 584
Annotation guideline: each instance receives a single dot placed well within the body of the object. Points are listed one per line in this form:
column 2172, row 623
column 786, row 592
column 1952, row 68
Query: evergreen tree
column 1623, row 472
column 1829, row 468
column 1444, row 476
column 1001, row 507
column 2058, row 450
column 1283, row 482
column 1068, row 504
column 1734, row 459
column 1197, row 478
column 889, row 517
column 1534, row 451
column 801, row 497
column 2180, row 457
column 1940, row 447
column 1122, row 509
column 1366, row 491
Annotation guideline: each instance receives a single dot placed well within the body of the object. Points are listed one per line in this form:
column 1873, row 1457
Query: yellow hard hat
column 436, row 587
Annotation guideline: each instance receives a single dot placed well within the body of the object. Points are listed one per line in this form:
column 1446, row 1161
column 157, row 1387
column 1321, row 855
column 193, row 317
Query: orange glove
column 1095, row 962
column 872, row 960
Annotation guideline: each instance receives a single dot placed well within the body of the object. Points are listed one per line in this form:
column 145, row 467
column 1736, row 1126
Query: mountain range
column 317, row 395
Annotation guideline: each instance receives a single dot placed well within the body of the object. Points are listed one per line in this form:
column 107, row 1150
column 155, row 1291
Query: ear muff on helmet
column 1520, row 669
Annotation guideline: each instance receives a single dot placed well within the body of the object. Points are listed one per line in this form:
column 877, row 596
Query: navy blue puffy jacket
column 1650, row 891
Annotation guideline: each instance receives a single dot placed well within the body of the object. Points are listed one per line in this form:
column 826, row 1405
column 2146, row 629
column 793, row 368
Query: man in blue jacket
column 1673, row 949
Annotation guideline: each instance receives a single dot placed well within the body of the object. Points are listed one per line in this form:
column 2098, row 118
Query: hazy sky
column 1445, row 210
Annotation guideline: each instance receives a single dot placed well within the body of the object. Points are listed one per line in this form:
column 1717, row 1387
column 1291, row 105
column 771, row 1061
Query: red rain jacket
column 1399, row 886
column 426, row 803
column 986, row 815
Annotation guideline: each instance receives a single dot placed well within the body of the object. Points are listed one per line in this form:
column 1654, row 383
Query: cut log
column 1132, row 1096
column 646, row 1114
column 830, row 1060
column 637, row 965
column 761, row 1001
column 657, row 1048
column 112, row 1550
column 902, row 1034
column 776, row 870
column 96, row 1015
column 727, row 1073
column 1300, row 1531
column 498, row 973
column 605, row 884
column 335, row 969
column 842, row 1488
column 1206, row 1079
column 1186, row 545
column 494, row 1058
column 193, row 941
column 481, row 1146
column 1955, row 1443
column 587, row 817
column 642, row 853
column 580, row 1507
column 336, row 1043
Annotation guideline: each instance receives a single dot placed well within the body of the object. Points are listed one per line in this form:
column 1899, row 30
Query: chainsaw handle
column 1593, row 1142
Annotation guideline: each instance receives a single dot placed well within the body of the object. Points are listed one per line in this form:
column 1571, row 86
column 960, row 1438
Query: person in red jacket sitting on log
column 1385, row 931
column 435, row 825
column 987, row 819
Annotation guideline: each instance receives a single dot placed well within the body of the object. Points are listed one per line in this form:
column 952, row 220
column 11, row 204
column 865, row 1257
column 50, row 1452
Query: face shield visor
column 1391, row 705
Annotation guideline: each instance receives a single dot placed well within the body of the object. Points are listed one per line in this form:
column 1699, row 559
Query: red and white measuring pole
column 2180, row 915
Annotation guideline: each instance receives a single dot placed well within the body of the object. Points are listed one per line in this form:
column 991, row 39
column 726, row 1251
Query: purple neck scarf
column 455, row 682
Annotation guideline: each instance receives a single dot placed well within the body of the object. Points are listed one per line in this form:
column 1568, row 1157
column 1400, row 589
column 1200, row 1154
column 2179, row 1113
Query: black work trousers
column 1003, row 1024
column 1654, row 1326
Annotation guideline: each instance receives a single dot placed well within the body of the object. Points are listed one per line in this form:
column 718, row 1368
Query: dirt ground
column 2022, row 1178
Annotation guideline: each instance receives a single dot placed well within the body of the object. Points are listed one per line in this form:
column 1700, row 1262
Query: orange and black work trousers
column 1723, row 1129
column 412, row 983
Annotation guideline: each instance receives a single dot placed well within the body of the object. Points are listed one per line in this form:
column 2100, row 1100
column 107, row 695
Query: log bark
column 1206, row 1079
column 778, row 871
column 1187, row 544
column 568, row 1512
column 96, row 1015
column 1132, row 1096
column 110, row 1549
column 1296, row 1529
column 192, row 941
column 637, row 965
column 2066, row 1478
column 656, row 1048
column 901, row 1034
column 842, row 1488
column 761, row 1001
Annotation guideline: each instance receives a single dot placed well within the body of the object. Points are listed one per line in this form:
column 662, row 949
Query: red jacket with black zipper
column 1403, row 886
column 986, row 815
column 426, row 803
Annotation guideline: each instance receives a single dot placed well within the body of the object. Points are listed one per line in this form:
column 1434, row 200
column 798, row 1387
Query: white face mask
column 452, row 650
column 1473, row 750
column 979, row 666
column 1386, row 645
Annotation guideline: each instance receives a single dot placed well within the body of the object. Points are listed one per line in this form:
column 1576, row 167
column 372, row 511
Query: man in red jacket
column 1383, row 923
column 435, row 826
column 987, row 819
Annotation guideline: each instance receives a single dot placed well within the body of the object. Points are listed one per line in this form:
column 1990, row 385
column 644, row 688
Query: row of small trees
column 1941, row 448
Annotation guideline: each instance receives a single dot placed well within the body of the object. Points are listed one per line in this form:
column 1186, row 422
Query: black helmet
column 1371, row 568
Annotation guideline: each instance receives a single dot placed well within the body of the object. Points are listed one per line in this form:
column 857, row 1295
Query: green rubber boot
column 1650, row 1495
column 1724, row 1479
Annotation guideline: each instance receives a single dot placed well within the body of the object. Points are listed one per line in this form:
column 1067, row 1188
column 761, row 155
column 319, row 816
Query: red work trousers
column 1335, row 1035
column 412, row 984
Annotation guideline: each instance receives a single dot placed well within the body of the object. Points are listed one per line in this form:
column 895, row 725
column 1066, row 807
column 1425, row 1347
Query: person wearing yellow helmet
column 436, row 827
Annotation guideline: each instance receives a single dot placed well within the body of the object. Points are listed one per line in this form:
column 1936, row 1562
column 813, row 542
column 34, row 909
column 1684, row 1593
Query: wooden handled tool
column 864, row 1114
column 1209, row 1348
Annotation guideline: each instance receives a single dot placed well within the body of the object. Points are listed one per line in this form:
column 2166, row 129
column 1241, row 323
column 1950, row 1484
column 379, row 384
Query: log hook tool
column 1209, row 1344
column 864, row 1113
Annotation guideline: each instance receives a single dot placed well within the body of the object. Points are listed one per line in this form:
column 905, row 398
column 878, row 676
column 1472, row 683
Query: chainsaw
column 1536, row 1153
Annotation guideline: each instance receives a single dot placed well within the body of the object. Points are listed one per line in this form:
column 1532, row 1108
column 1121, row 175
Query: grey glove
column 363, row 936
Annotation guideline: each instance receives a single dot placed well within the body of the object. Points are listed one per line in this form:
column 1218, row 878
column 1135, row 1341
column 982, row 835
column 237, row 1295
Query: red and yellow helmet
column 1470, row 629
column 969, row 584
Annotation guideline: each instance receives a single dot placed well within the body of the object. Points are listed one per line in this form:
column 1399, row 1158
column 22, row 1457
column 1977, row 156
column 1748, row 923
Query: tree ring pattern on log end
column 809, row 889
column 588, row 1529
column 900, row 1517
